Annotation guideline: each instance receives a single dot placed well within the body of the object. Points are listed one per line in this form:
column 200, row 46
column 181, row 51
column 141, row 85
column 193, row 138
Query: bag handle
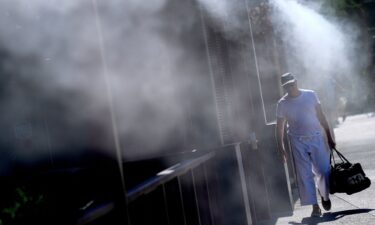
column 341, row 156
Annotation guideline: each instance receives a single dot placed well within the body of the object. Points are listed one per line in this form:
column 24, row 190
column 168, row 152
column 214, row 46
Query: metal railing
column 166, row 175
column 218, row 187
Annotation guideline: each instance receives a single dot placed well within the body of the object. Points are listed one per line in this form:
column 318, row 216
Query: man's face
column 290, row 87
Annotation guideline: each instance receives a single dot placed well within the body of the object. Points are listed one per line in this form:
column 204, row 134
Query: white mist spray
column 317, row 47
column 146, row 66
column 324, row 53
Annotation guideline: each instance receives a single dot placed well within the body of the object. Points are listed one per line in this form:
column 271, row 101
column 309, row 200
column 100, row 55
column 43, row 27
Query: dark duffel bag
column 347, row 177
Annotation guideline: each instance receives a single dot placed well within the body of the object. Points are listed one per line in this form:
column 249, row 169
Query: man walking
column 307, row 127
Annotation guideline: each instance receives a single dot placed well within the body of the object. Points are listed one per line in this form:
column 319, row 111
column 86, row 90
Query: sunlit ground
column 356, row 140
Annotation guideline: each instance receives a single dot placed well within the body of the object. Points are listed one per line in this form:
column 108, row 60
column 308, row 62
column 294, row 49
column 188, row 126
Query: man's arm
column 280, row 124
column 324, row 123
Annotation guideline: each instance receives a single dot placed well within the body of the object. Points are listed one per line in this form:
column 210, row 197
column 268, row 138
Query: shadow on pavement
column 330, row 217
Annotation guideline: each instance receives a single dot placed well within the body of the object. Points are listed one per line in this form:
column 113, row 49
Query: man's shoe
column 326, row 204
column 316, row 212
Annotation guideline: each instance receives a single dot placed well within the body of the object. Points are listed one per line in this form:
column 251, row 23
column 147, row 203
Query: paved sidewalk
column 356, row 140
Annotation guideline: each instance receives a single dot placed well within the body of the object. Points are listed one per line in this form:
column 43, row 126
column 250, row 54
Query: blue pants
column 312, row 162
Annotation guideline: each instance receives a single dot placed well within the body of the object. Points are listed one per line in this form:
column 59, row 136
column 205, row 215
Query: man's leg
column 320, row 157
column 305, row 176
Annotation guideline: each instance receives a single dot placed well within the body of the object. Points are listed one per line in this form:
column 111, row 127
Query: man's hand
column 324, row 123
column 280, row 124
column 331, row 143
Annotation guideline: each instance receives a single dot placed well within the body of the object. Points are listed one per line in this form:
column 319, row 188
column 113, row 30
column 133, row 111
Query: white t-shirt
column 300, row 113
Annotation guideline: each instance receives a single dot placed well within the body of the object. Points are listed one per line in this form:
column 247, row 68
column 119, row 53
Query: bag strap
column 341, row 156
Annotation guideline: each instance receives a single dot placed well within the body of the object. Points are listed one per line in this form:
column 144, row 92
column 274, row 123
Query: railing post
column 214, row 194
column 230, row 192
column 189, row 198
column 278, row 177
column 210, row 194
column 175, row 203
column 256, row 180
column 243, row 184
column 149, row 209
column 204, row 204
column 166, row 205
